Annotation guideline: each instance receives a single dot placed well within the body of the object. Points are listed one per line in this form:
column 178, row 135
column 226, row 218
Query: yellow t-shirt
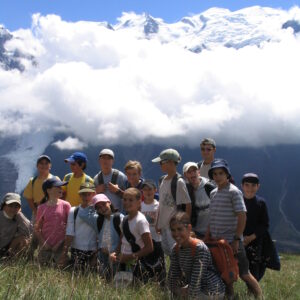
column 34, row 191
column 73, row 186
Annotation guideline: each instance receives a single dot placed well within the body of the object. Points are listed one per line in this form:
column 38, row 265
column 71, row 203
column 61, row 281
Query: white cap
column 188, row 165
column 107, row 152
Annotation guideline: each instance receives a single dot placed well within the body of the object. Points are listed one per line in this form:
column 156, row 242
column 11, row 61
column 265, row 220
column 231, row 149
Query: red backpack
column 224, row 260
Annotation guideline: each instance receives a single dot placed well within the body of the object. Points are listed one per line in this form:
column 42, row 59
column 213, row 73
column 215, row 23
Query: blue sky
column 15, row 14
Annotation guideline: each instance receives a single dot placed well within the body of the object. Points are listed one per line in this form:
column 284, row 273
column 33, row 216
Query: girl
column 107, row 224
column 51, row 221
column 192, row 273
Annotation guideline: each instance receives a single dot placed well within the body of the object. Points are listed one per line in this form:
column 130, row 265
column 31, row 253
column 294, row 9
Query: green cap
column 168, row 154
column 86, row 187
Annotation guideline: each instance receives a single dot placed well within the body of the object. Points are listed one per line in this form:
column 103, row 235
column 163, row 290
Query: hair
column 81, row 163
column 134, row 192
column 208, row 141
column 133, row 164
column 180, row 217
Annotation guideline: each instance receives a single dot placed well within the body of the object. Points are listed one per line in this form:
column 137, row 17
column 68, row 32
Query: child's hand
column 113, row 188
column 248, row 239
column 100, row 189
column 113, row 257
column 158, row 230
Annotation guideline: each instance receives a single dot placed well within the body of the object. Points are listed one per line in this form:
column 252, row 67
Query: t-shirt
column 137, row 226
column 115, row 199
column 54, row 221
column 85, row 237
column 73, row 187
column 202, row 202
column 167, row 205
column 106, row 237
column 204, row 170
column 151, row 212
column 36, row 193
column 224, row 205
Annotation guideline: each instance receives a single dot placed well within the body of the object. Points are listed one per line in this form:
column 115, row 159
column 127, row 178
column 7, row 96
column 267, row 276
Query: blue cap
column 76, row 156
column 51, row 182
column 219, row 163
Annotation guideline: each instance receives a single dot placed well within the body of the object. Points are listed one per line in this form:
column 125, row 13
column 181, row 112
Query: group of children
column 119, row 222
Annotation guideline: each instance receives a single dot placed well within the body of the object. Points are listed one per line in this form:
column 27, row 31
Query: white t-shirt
column 85, row 237
column 106, row 238
column 151, row 212
column 137, row 226
column 167, row 205
column 204, row 168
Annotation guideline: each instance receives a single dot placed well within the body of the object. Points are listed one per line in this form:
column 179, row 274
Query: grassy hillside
column 27, row 281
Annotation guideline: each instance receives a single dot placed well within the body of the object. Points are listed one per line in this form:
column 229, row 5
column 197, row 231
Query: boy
column 256, row 226
column 80, row 237
column 208, row 149
column 78, row 161
column 15, row 228
column 169, row 201
column 110, row 181
column 150, row 209
column 228, row 219
column 33, row 192
column 200, row 192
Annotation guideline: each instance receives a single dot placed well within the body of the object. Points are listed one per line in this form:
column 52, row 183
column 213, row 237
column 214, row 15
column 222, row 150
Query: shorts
column 242, row 259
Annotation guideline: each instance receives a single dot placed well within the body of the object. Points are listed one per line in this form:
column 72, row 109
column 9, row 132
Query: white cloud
column 69, row 143
column 106, row 86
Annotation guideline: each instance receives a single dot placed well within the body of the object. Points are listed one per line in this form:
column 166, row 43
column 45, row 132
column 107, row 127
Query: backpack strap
column 200, row 164
column 75, row 215
column 68, row 177
column 193, row 245
column 32, row 181
column 100, row 178
column 87, row 178
column 191, row 190
column 129, row 236
column 100, row 221
column 174, row 186
column 117, row 222
column 208, row 188
column 114, row 176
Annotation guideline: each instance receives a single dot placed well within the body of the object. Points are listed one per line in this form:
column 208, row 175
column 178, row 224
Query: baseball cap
column 43, row 156
column 87, row 187
column 208, row 141
column 76, row 156
column 11, row 198
column 250, row 177
column 189, row 165
column 100, row 198
column 51, row 182
column 148, row 182
column 219, row 163
column 168, row 154
column 107, row 152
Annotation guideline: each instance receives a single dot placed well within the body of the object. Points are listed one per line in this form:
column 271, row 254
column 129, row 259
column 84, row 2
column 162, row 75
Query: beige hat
column 188, row 165
column 11, row 198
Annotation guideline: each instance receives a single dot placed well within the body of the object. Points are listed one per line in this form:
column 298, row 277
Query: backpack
column 224, row 260
column 129, row 236
column 114, row 177
column 116, row 222
column 193, row 244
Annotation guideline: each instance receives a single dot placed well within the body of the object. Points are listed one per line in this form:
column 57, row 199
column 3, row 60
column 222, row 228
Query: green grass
column 23, row 280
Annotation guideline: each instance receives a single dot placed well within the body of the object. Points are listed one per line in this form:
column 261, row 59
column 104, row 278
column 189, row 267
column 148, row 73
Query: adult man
column 208, row 149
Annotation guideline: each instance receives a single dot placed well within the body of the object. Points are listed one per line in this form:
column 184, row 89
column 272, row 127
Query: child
column 15, row 228
column 106, row 223
column 33, row 192
column 51, row 221
column 133, row 171
column 109, row 181
column 136, row 240
column 168, row 204
column 208, row 150
column 150, row 209
column 78, row 161
column 80, row 237
column 201, row 189
column 256, row 226
column 192, row 273
column 228, row 219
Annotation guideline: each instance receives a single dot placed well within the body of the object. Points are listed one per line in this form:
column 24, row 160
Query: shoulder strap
column 87, row 178
column 174, row 186
column 193, row 244
column 33, row 180
column 200, row 164
column 68, row 177
column 75, row 214
column 116, row 222
column 100, row 221
column 100, row 178
column 161, row 179
column 114, row 176
column 129, row 236
column 208, row 188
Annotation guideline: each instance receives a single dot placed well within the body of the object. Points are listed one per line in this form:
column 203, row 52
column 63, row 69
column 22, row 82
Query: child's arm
column 241, row 223
column 188, row 209
column 89, row 216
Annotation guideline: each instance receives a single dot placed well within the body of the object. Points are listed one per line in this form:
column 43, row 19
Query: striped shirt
column 224, row 205
column 198, row 272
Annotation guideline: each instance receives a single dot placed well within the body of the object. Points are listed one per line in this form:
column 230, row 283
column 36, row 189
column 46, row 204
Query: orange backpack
column 193, row 244
column 224, row 260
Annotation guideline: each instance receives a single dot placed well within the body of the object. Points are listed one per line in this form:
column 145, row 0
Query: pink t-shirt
column 54, row 221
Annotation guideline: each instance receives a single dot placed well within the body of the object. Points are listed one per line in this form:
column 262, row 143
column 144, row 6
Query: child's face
column 75, row 167
column 103, row 208
column 133, row 176
column 87, row 197
column 55, row 192
column 130, row 203
column 12, row 209
column 220, row 177
column 192, row 175
column 207, row 152
column 180, row 233
column 167, row 166
column 250, row 189
column 43, row 166
column 148, row 193
column 106, row 162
